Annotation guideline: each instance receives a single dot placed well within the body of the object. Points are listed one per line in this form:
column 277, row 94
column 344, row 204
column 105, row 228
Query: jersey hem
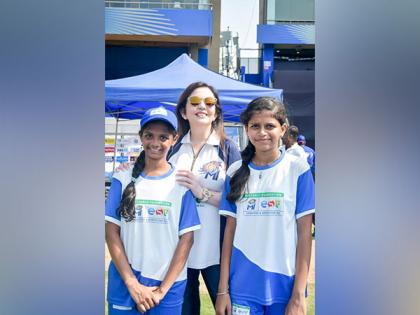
column 227, row 213
column 156, row 277
column 203, row 266
column 191, row 228
column 302, row 214
column 259, row 301
column 112, row 220
column 123, row 304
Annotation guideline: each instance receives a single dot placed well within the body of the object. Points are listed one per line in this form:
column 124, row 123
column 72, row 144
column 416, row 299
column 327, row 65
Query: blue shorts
column 157, row 310
column 244, row 307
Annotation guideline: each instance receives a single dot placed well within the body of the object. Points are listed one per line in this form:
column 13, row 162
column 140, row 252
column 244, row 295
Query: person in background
column 290, row 142
column 310, row 153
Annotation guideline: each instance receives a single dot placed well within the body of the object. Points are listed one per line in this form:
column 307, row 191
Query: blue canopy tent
column 130, row 97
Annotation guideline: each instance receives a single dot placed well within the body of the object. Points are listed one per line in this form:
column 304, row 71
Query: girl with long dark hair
column 150, row 220
column 268, row 199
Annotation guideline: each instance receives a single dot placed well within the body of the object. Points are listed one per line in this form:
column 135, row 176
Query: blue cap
column 161, row 114
column 301, row 138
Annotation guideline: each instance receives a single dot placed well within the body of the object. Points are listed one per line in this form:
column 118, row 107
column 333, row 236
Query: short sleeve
column 226, row 207
column 113, row 202
column 189, row 220
column 305, row 195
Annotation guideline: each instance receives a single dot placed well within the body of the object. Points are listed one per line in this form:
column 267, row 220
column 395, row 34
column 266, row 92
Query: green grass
column 206, row 305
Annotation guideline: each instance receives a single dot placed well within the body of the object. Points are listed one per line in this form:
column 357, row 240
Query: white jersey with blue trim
column 265, row 241
column 164, row 210
column 297, row 150
column 209, row 167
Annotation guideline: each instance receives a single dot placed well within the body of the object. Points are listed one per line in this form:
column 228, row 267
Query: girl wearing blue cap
column 268, row 199
column 150, row 220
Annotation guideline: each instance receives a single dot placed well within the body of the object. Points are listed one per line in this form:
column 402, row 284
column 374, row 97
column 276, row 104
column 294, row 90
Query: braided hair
column 241, row 176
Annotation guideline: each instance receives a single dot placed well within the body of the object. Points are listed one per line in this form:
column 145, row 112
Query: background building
column 143, row 36
column 286, row 35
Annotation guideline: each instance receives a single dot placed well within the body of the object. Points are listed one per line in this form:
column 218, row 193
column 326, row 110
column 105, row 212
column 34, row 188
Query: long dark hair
column 184, row 125
column 241, row 176
column 126, row 208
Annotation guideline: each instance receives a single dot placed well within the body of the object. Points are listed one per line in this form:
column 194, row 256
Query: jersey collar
column 214, row 138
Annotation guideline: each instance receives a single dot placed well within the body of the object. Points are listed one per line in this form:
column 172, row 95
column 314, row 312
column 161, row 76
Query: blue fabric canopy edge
column 130, row 97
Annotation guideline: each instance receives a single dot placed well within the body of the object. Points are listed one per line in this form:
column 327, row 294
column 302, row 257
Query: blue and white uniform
column 310, row 156
column 262, row 266
column 209, row 167
column 164, row 210
column 296, row 150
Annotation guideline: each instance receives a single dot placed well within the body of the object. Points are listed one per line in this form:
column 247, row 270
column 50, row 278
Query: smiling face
column 264, row 131
column 157, row 139
column 200, row 114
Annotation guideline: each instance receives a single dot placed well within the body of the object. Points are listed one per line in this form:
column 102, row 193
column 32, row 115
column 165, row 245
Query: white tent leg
column 115, row 144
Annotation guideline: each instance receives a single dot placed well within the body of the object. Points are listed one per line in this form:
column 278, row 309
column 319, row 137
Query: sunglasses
column 196, row 100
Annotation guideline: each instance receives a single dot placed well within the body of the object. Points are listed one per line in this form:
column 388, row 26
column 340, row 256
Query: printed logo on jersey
column 240, row 309
column 152, row 211
column 263, row 204
column 211, row 169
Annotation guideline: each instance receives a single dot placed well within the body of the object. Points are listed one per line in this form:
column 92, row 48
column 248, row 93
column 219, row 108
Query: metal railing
column 157, row 5
column 271, row 22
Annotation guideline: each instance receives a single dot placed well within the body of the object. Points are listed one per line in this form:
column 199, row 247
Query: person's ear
column 175, row 137
column 283, row 129
column 183, row 114
column 246, row 129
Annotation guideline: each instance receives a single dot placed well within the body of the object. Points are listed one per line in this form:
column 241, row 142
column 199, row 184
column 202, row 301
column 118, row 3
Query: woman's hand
column 296, row 305
column 190, row 181
column 142, row 295
column 223, row 305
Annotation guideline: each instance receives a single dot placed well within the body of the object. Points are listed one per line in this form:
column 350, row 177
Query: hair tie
column 133, row 180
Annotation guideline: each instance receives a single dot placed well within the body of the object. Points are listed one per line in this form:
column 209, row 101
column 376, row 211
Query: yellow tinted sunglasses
column 196, row 100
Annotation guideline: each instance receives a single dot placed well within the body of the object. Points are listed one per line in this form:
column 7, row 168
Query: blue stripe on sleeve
column 305, row 196
column 113, row 201
column 189, row 219
column 226, row 207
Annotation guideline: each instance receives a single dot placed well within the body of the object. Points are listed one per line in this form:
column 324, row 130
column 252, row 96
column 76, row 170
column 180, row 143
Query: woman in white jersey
column 150, row 220
column 268, row 199
column 201, row 157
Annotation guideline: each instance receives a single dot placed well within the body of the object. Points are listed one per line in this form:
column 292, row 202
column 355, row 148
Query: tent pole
column 115, row 143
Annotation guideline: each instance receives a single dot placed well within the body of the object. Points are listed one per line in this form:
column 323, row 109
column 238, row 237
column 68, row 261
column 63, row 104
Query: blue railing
column 157, row 4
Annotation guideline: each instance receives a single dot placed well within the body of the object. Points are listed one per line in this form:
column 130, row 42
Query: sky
column 242, row 17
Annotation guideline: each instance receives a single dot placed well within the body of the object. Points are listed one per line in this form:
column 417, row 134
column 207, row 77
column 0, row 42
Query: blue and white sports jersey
column 296, row 150
column 264, row 248
column 210, row 169
column 164, row 210
column 310, row 155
